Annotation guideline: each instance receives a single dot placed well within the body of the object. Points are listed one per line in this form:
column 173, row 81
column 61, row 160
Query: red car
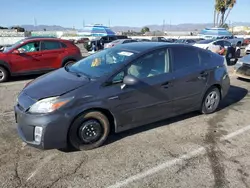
column 246, row 41
column 37, row 55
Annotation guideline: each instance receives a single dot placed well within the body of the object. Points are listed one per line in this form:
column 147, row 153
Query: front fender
column 5, row 64
column 85, row 104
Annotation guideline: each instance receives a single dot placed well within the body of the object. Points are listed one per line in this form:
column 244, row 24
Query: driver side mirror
column 130, row 80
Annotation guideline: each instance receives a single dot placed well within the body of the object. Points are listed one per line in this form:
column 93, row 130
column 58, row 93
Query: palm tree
column 217, row 10
column 231, row 5
column 221, row 6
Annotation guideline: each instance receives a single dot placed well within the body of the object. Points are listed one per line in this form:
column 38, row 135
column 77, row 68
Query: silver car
column 119, row 41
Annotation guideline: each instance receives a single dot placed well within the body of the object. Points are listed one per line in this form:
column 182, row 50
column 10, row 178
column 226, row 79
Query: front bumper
column 55, row 128
column 242, row 71
column 247, row 51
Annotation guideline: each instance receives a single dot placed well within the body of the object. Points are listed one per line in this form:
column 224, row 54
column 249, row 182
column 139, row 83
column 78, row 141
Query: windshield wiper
column 77, row 73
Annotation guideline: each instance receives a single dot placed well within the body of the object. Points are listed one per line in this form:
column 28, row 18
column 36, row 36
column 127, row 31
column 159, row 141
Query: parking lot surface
column 191, row 150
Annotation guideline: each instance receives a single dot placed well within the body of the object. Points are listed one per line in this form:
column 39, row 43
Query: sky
column 138, row 13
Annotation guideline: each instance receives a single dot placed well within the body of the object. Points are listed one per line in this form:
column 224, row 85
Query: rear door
column 151, row 98
column 52, row 53
column 190, row 78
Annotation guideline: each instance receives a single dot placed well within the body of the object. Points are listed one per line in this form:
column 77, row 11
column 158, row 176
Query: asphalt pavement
column 191, row 150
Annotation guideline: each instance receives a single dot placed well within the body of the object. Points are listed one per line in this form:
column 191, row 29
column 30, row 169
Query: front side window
column 226, row 43
column 220, row 43
column 102, row 63
column 184, row 57
column 50, row 45
column 150, row 65
column 30, row 47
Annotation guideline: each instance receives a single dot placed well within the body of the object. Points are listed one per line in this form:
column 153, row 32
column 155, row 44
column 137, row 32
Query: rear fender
column 68, row 58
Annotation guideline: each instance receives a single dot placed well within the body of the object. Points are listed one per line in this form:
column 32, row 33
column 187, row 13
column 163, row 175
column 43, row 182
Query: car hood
column 53, row 84
column 245, row 59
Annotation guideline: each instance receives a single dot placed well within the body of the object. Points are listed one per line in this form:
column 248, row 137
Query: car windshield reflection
column 101, row 63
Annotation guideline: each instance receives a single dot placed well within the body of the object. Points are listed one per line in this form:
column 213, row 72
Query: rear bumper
column 225, row 85
column 55, row 128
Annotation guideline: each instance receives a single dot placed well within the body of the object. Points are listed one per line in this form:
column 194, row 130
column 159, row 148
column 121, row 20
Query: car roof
column 43, row 38
column 142, row 46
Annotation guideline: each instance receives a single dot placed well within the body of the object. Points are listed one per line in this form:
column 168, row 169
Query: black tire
column 205, row 109
column 70, row 62
column 237, row 54
column 78, row 128
column 4, row 74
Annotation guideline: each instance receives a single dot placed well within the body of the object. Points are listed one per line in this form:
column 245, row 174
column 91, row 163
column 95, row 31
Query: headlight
column 239, row 63
column 49, row 105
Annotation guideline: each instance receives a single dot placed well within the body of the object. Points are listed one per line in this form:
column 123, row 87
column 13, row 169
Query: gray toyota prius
column 117, row 89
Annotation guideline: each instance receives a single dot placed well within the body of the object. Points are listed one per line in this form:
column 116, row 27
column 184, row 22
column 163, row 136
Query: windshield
column 101, row 63
column 13, row 46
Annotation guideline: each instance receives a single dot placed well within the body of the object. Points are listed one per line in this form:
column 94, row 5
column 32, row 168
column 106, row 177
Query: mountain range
column 167, row 27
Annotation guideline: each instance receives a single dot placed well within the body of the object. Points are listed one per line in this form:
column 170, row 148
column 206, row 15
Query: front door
column 28, row 59
column 190, row 78
column 147, row 101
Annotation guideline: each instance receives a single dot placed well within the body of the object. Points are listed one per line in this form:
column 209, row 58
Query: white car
column 233, row 52
column 247, row 49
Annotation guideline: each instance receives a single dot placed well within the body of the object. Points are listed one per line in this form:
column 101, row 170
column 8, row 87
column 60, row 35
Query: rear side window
column 205, row 57
column 51, row 45
column 184, row 57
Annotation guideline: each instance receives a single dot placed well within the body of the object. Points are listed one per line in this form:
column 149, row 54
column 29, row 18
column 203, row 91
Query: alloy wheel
column 2, row 75
column 212, row 100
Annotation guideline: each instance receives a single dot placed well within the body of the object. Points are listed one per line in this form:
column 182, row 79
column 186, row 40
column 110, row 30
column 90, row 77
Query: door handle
column 203, row 75
column 166, row 85
column 38, row 55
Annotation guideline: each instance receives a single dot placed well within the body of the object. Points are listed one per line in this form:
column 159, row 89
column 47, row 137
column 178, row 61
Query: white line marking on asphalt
column 180, row 160
column 45, row 160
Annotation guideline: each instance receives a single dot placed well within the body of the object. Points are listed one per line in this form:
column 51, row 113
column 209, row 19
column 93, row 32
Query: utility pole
column 163, row 26
column 83, row 23
column 109, row 22
column 35, row 22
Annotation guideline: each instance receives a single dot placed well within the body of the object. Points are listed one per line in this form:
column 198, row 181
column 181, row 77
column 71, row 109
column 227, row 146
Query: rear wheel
column 211, row 101
column 4, row 74
column 69, row 63
column 89, row 131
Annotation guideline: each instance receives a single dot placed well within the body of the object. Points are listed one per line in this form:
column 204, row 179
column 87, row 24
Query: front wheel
column 4, row 75
column 211, row 101
column 89, row 131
